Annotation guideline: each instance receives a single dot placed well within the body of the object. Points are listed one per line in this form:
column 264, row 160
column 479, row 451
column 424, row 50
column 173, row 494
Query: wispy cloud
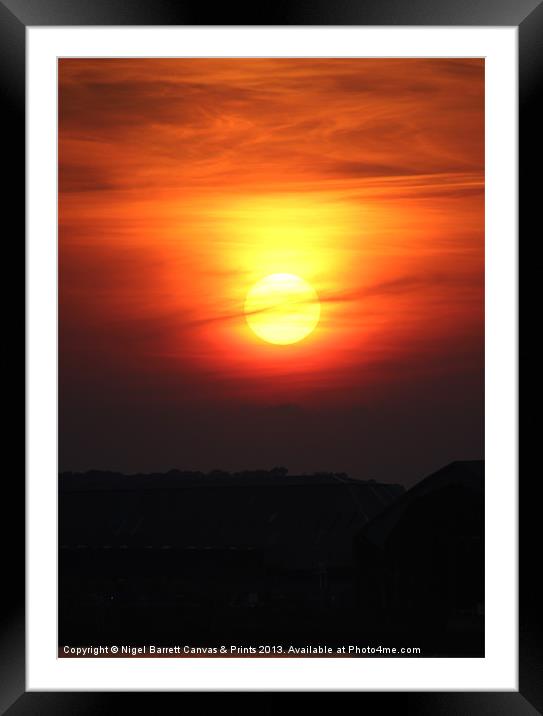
column 270, row 121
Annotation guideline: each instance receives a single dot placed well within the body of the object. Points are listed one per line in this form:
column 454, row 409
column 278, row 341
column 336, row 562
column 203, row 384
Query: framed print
column 272, row 352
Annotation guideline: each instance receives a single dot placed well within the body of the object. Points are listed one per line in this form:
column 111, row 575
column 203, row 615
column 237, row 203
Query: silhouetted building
column 268, row 557
column 146, row 557
column 421, row 560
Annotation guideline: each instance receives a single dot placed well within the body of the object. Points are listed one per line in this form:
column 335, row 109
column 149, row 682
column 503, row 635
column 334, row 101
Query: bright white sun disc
column 282, row 308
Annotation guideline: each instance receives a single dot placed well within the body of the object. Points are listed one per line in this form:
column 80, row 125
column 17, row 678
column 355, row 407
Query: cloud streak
column 270, row 121
column 182, row 182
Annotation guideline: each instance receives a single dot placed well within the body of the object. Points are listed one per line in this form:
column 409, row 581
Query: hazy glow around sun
column 282, row 308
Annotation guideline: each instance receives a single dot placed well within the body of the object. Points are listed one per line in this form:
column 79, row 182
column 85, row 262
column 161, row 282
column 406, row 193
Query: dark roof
column 297, row 520
column 468, row 474
column 176, row 479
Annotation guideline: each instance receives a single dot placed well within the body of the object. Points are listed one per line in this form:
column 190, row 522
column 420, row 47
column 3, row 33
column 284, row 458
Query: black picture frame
column 15, row 16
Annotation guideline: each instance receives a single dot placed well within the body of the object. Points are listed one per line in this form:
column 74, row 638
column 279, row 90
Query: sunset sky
column 183, row 182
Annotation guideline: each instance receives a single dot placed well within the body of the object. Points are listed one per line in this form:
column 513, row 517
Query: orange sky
column 182, row 182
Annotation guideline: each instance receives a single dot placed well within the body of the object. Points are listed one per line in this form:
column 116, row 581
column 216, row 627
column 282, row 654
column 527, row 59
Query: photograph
column 271, row 357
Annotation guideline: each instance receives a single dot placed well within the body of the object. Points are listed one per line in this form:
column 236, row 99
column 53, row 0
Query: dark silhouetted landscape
column 264, row 557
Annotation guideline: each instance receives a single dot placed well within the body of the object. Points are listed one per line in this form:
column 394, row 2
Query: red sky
column 183, row 182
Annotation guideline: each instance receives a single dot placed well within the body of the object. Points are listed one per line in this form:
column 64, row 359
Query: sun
column 282, row 308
